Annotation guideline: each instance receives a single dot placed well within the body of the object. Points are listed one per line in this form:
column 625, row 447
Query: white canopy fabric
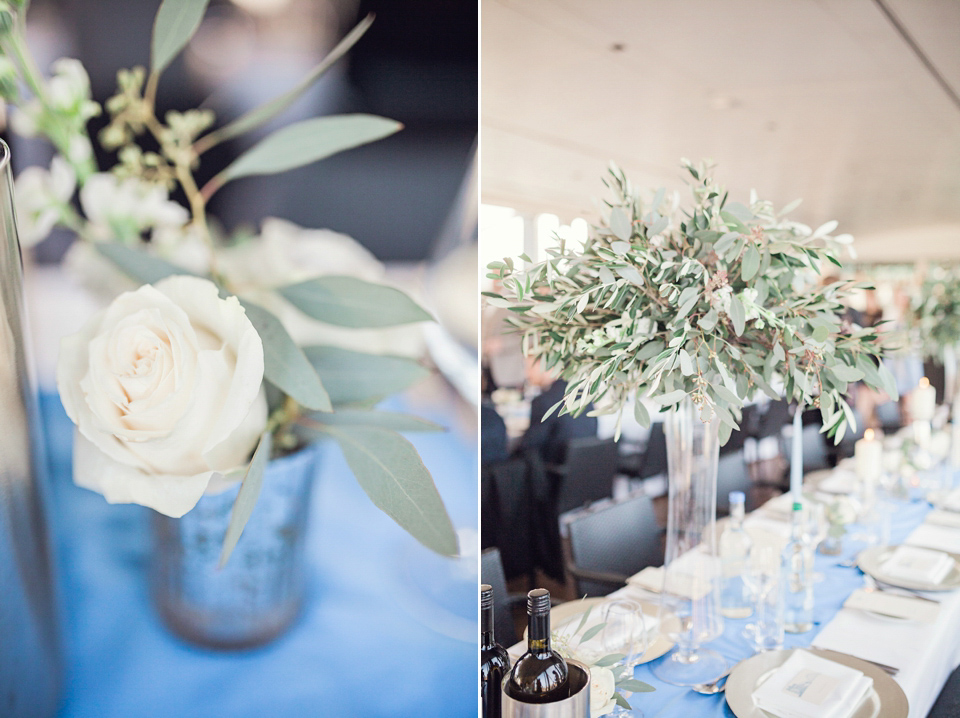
column 820, row 99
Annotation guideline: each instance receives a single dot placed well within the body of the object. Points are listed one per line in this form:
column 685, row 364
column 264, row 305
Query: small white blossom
column 123, row 208
column 748, row 297
column 69, row 90
column 602, row 687
column 720, row 300
column 41, row 197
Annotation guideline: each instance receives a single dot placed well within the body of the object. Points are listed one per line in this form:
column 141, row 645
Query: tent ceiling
column 819, row 99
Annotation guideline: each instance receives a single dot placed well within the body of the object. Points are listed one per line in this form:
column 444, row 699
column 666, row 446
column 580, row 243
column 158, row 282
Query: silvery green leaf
column 658, row 226
column 621, row 701
column 790, row 207
column 737, row 315
column 889, row 383
column 606, row 276
column 820, row 333
column 246, row 497
column 725, row 242
column 354, row 377
column 685, row 306
column 709, row 320
column 284, row 363
column 778, row 352
column 669, row 398
column 739, row 211
column 724, row 431
column 658, row 198
column 635, row 686
column 727, row 395
column 751, row 263
column 640, row 413
column 610, row 660
column 137, row 264
column 591, row 632
column 620, row 224
column 353, row 302
column 308, row 141
column 631, row 275
column 824, row 229
column 265, row 112
column 846, row 373
column 870, row 373
column 620, row 248
column 686, row 363
column 174, row 25
column 382, row 419
column 392, row 474
column 649, row 350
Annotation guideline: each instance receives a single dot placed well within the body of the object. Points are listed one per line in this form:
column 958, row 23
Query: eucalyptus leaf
column 137, row 264
column 751, row 263
column 620, row 224
column 591, row 632
column 355, row 377
column 610, row 660
column 670, row 398
column 846, row 373
column 174, row 25
column 737, row 315
column 306, row 142
column 247, row 497
column 382, row 419
column 641, row 414
column 635, row 686
column 392, row 474
column 284, row 363
column 353, row 302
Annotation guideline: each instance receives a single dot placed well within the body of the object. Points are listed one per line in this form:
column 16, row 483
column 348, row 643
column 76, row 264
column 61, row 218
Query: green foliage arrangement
column 317, row 391
column 935, row 312
column 713, row 303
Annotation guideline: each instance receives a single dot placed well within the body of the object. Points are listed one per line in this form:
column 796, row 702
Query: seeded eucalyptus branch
column 714, row 302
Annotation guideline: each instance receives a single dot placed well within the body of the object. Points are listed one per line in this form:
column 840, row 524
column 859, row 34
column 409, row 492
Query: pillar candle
column 868, row 455
column 923, row 402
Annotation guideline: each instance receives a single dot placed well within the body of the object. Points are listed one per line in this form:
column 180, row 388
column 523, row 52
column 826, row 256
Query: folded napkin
column 894, row 643
column 942, row 538
column 891, row 604
column 839, row 482
column 915, row 564
column 943, row 518
column 952, row 501
column 808, row 686
column 681, row 584
column 780, row 506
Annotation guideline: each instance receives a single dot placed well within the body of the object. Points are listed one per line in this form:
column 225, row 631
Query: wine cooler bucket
column 576, row 706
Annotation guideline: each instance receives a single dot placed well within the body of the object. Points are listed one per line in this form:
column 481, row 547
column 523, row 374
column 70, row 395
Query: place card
column 893, row 605
column 912, row 563
column 808, row 686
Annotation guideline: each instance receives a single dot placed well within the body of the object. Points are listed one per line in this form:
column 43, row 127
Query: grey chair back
column 732, row 476
column 655, row 457
column 620, row 540
column 588, row 473
column 491, row 572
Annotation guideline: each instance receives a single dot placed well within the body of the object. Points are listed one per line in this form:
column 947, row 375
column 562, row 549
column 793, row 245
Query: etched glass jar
column 260, row 591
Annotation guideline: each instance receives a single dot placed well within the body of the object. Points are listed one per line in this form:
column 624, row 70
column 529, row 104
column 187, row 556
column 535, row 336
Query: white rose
column 164, row 386
column 602, row 687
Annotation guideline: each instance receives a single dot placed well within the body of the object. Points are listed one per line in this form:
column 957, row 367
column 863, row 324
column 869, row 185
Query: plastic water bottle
column 735, row 545
column 797, row 577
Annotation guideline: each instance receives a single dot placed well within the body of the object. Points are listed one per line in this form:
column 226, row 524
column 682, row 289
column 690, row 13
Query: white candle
column 923, row 401
column 796, row 458
column 868, row 455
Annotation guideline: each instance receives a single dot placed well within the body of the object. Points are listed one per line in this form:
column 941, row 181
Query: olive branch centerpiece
column 935, row 312
column 712, row 302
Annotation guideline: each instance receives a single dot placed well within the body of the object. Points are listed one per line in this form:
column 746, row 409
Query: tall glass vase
column 31, row 661
column 692, row 575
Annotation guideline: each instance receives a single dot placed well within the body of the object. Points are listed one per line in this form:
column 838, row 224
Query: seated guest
column 550, row 437
column 493, row 434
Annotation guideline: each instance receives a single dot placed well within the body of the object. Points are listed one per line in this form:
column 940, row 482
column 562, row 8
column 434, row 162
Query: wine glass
column 624, row 632
column 815, row 529
column 762, row 576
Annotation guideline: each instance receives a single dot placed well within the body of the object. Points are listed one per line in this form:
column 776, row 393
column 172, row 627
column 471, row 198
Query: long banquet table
column 925, row 654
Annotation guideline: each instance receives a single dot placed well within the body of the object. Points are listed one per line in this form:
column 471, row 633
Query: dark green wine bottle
column 494, row 661
column 539, row 675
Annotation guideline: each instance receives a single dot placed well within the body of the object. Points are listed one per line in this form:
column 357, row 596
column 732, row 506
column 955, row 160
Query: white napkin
column 808, row 686
column 952, row 501
column 912, row 563
column 941, row 538
column 681, row 584
column 839, row 482
column 780, row 506
column 891, row 604
column 943, row 518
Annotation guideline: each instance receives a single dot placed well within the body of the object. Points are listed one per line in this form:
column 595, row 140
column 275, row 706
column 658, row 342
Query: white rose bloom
column 110, row 202
column 164, row 386
column 602, row 687
column 40, row 196
column 286, row 253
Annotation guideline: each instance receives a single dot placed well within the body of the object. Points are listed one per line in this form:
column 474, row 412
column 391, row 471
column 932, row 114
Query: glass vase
column 259, row 592
column 692, row 573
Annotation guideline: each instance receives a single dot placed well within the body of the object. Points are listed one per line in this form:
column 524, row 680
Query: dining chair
column 609, row 545
column 655, row 457
column 948, row 702
column 507, row 515
column 587, row 474
column 491, row 572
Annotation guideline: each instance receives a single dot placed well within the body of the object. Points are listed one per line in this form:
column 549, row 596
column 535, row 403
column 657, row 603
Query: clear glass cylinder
column 692, row 569
column 258, row 594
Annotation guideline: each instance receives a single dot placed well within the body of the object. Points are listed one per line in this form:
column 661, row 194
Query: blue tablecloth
column 367, row 644
column 829, row 595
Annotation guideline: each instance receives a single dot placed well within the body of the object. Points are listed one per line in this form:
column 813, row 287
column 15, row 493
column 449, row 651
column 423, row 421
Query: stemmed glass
column 815, row 529
column 624, row 632
column 762, row 577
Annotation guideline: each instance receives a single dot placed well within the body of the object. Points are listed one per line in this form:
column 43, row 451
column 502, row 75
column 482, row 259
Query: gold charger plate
column 885, row 700
column 870, row 561
column 564, row 613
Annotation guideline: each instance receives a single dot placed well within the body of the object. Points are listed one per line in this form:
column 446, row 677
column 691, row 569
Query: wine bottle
column 540, row 675
column 494, row 661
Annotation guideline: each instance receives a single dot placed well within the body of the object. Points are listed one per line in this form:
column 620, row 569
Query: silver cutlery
column 717, row 686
